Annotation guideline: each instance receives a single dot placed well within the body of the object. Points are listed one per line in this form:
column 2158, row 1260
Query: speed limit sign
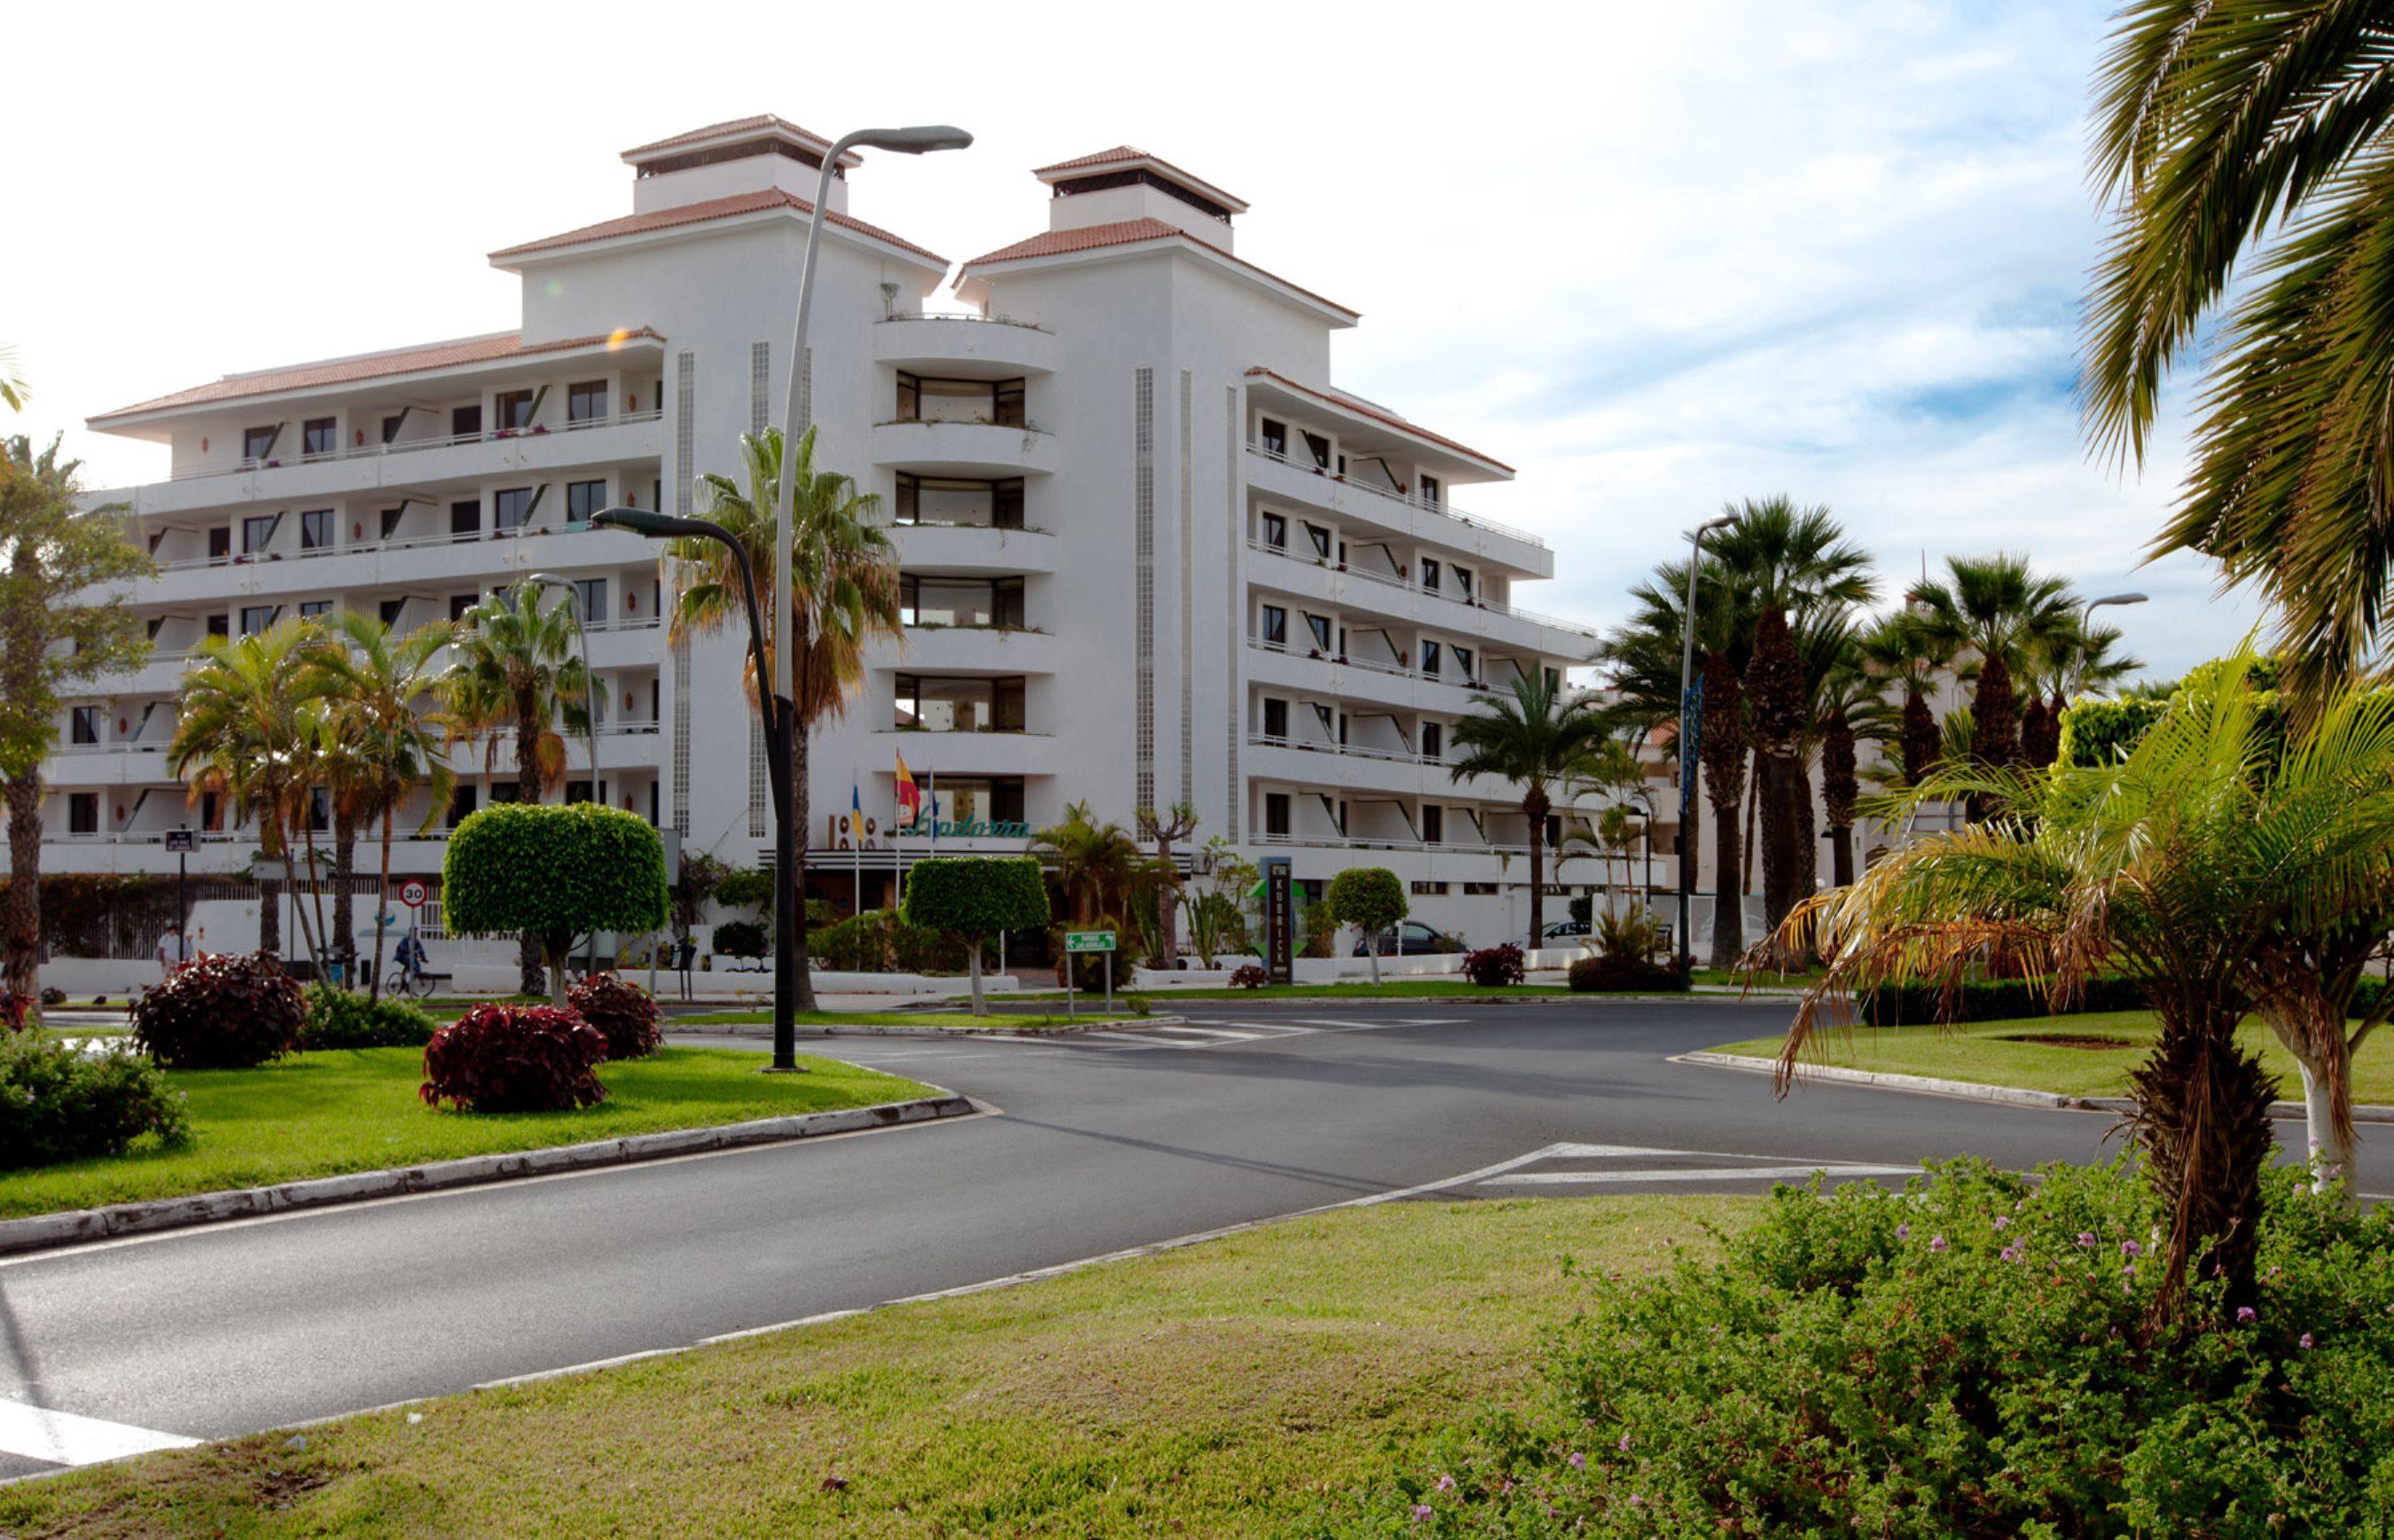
column 413, row 893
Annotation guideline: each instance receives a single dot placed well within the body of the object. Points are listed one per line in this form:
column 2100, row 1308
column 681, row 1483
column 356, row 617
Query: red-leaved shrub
column 624, row 1014
column 1493, row 967
column 1248, row 976
column 221, row 1011
column 514, row 1059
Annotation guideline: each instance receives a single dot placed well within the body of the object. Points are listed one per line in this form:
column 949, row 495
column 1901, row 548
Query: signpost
column 1088, row 940
column 182, row 842
column 1279, row 920
column 413, row 893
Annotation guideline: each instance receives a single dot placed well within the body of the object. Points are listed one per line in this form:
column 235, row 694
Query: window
column 960, row 601
column 1009, row 404
column 258, row 617
column 931, row 704
column 586, row 402
column 509, row 508
column 512, row 410
column 1321, row 538
column 462, row 800
column 1433, row 740
column 591, row 594
column 583, row 499
column 1428, row 889
column 505, row 791
column 460, row 603
column 997, row 800
column 466, row 422
column 257, row 444
column 1275, row 531
column 924, row 399
column 1429, row 574
column 316, row 437
column 320, row 809
column 577, row 791
column 211, row 812
column 1463, row 583
column 1462, row 663
column 1432, row 492
column 1432, row 662
column 1275, row 437
column 310, row 609
column 1320, row 625
column 1480, row 889
column 83, row 724
column 1433, row 823
column 1318, row 447
column 1275, row 718
column 1006, row 504
column 952, row 500
column 1275, row 625
column 257, row 531
column 219, row 545
column 391, row 425
column 83, row 813
column 1276, row 814
column 316, row 530
column 1554, row 830
column 391, row 610
column 1554, row 679
column 390, row 517
column 219, row 625
column 465, row 520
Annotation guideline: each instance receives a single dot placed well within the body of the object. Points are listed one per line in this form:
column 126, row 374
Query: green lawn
column 1994, row 1053
column 959, row 1020
column 1251, row 1385
column 1394, row 989
column 320, row 1115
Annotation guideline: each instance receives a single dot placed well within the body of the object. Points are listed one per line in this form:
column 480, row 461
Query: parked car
column 1412, row 939
column 1563, row 930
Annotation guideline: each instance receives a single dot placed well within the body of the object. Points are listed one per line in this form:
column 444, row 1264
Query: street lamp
column 2078, row 673
column 1690, row 724
column 672, row 526
column 589, row 703
column 920, row 139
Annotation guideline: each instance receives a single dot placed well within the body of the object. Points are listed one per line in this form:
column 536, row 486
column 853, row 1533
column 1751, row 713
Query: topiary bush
column 223, row 1011
column 740, row 938
column 1972, row 1357
column 515, row 1058
column 1493, row 967
column 555, row 871
column 341, row 1018
column 57, row 1103
column 1249, row 976
column 972, row 898
column 621, row 1011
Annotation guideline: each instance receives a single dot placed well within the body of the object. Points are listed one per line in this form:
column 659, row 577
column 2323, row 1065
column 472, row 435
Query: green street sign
column 1088, row 940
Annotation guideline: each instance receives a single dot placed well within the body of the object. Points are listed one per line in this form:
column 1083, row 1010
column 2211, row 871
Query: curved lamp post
column 672, row 526
column 2078, row 674
column 1690, row 727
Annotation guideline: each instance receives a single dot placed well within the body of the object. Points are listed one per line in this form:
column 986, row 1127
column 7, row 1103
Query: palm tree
column 1999, row 615
column 397, row 748
column 516, row 669
column 1097, row 864
column 2203, row 867
column 241, row 735
column 1536, row 736
column 14, row 392
column 1900, row 652
column 2224, row 129
column 844, row 593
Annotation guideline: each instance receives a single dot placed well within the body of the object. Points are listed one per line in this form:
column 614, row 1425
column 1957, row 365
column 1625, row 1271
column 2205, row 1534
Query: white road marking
column 1706, row 1173
column 62, row 1437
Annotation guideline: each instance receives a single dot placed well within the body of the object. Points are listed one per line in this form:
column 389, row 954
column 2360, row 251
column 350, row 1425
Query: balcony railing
column 254, row 559
column 1407, row 499
column 409, row 446
column 1410, row 585
column 1371, row 665
column 1365, row 842
column 963, row 315
column 1351, row 751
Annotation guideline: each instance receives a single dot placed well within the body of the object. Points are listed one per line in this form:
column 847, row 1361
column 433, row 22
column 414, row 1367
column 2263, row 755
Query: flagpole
column 856, row 837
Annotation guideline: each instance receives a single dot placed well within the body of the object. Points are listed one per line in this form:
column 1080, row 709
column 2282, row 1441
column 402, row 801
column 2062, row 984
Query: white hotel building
column 1151, row 553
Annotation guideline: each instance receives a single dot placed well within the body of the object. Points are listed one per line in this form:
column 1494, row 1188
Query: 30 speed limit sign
column 413, row 893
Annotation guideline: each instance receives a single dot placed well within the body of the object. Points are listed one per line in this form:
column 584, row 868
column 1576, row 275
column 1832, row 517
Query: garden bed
column 324, row 1114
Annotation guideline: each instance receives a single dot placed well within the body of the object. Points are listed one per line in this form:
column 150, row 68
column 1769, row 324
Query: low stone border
column 864, row 1028
column 2012, row 1096
column 43, row 1231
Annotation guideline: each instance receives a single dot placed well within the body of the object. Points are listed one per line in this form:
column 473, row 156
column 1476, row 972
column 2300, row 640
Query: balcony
column 970, row 752
column 1358, row 590
column 1306, row 673
column 972, row 549
column 968, row 651
column 416, row 463
column 116, row 764
column 1415, row 520
column 1346, row 767
column 431, row 562
column 964, row 346
column 962, row 448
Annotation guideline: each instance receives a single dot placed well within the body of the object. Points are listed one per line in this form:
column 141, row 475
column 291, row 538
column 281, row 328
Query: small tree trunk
column 1729, row 910
column 345, row 914
column 972, row 962
column 382, row 911
column 269, row 917
column 2331, row 1153
column 20, row 911
column 1372, row 946
column 558, row 950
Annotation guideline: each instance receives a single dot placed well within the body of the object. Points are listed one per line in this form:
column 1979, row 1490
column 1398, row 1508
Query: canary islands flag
column 910, row 798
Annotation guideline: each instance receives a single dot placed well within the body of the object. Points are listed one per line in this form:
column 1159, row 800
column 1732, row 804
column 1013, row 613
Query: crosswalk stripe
column 62, row 1437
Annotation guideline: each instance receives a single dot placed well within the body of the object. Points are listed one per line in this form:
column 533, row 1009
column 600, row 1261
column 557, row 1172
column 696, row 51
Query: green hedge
column 339, row 1019
column 2002, row 999
column 2098, row 732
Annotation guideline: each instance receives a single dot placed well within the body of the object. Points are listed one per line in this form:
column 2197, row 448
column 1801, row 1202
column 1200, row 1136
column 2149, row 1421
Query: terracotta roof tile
column 727, row 207
column 1058, row 242
column 403, row 360
column 1121, row 153
column 1349, row 403
column 736, row 125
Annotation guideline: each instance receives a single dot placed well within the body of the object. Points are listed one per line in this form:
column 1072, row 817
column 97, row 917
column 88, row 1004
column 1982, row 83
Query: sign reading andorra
column 860, row 831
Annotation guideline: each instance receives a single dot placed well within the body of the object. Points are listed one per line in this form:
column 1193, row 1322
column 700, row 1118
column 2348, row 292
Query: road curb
column 762, row 1029
column 1422, row 1002
column 2010, row 1096
column 46, row 1231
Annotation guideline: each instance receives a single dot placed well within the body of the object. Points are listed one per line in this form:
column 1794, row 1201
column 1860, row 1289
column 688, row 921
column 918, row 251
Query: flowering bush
column 221, row 1011
column 622, row 1013
column 515, row 1058
column 1249, row 976
column 1974, row 1356
column 341, row 1019
column 57, row 1103
column 1493, row 967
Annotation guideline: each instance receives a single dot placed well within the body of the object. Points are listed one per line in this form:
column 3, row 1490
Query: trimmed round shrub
column 1249, row 976
column 740, row 938
column 57, row 1103
column 1493, row 967
column 223, row 1011
column 621, row 1011
column 339, row 1019
column 515, row 1058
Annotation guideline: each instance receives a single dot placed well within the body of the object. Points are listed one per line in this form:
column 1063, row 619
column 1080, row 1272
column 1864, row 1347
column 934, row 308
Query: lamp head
column 2117, row 599
column 916, row 141
column 647, row 521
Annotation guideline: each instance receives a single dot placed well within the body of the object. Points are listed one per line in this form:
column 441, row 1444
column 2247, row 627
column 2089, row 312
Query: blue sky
column 1658, row 259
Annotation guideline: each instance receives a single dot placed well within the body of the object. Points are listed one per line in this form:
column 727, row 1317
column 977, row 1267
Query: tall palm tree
column 2223, row 131
column 845, row 592
column 1996, row 615
column 1536, row 735
column 1901, row 652
column 378, row 683
column 516, row 670
column 241, row 735
column 1096, row 864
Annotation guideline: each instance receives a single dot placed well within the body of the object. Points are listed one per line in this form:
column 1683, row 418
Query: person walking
column 683, row 959
column 173, row 950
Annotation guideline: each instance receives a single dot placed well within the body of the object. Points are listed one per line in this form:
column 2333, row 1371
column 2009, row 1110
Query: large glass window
column 925, row 398
column 509, row 508
column 1429, row 574
column 316, row 530
column 513, row 410
column 960, row 601
column 592, row 594
column 1431, row 662
column 315, row 609
column 586, row 402
column 928, row 704
column 1462, row 663
column 1321, row 539
column 256, row 531
column 257, row 444
column 464, row 421
column 316, row 437
column 219, row 544
column 1275, row 625
column 391, row 610
column 1275, row 437
column 583, row 499
column 258, row 617
column 1433, row 740
column 956, row 500
column 462, row 800
column 994, row 799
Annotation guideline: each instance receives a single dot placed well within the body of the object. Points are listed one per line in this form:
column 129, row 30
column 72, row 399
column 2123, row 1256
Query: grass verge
column 957, row 1020
column 1394, row 989
column 2001, row 1053
column 321, row 1114
column 1253, row 1386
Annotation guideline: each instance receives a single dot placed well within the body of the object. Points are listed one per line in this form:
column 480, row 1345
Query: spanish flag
column 910, row 799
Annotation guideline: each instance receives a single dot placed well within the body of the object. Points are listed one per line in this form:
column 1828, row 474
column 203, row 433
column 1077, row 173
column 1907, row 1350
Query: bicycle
column 402, row 982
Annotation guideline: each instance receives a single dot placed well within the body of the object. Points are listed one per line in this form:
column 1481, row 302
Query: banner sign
column 1279, row 921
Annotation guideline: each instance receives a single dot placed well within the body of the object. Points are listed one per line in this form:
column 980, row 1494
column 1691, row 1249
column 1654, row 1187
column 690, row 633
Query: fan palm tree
column 2223, row 131
column 1097, row 864
column 1901, row 653
column 2184, row 867
column 378, row 682
column 1536, row 735
column 241, row 735
column 516, row 670
column 844, row 593
column 1997, row 616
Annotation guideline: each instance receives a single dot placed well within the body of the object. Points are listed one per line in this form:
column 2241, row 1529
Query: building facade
column 1151, row 554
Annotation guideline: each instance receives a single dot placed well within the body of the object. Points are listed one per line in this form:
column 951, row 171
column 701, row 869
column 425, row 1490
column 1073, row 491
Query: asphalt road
column 1097, row 1144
